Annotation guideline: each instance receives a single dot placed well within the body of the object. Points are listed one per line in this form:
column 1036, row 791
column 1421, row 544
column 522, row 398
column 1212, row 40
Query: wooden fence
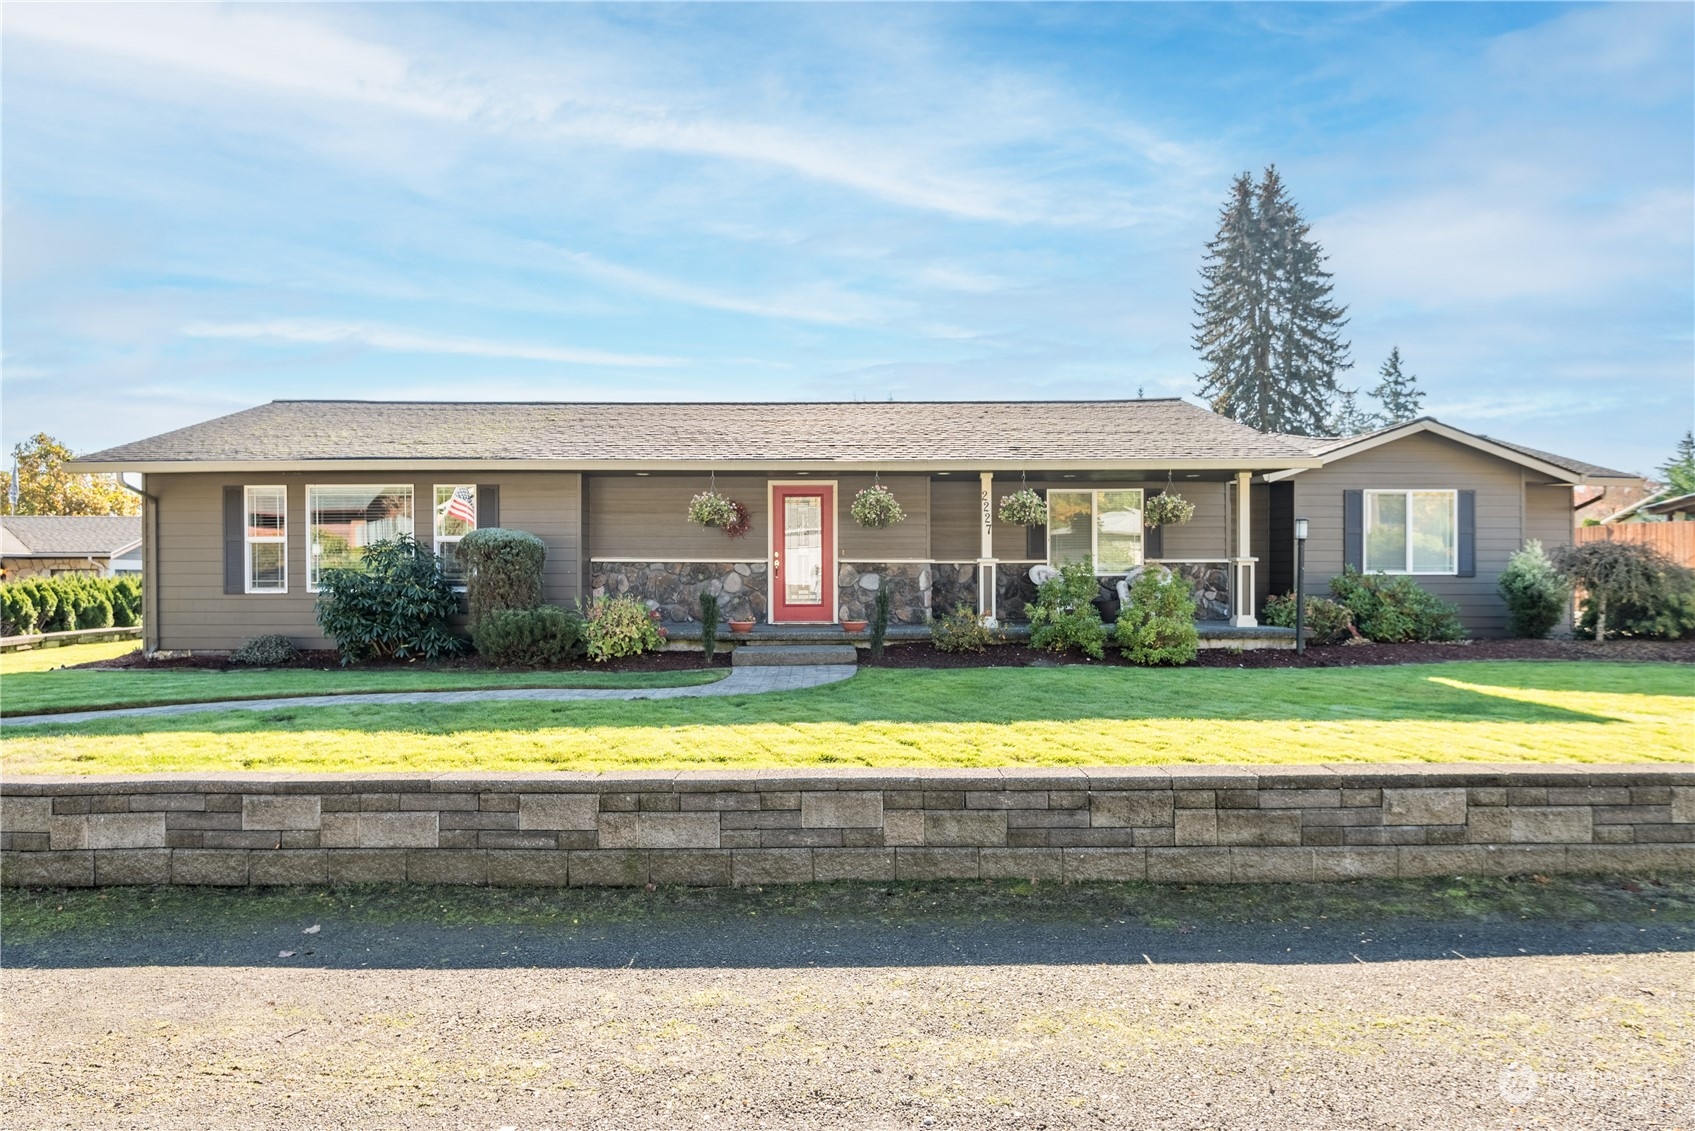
column 1676, row 540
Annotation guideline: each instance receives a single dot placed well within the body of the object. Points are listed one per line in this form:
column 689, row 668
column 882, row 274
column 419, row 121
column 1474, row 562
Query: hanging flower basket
column 876, row 507
column 711, row 509
column 739, row 525
column 1168, row 510
column 1024, row 508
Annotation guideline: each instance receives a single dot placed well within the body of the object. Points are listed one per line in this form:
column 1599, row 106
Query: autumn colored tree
column 40, row 484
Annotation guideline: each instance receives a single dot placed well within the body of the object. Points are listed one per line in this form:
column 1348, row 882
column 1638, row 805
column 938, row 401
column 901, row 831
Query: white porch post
column 986, row 546
column 1242, row 566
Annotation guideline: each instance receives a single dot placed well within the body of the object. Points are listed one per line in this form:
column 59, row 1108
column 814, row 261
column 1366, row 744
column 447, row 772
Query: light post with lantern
column 1300, row 586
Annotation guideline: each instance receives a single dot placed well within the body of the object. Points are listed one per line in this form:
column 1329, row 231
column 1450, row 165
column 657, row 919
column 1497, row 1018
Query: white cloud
column 311, row 332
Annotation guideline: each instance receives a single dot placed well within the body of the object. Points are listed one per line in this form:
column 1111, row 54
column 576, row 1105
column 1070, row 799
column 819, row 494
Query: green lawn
column 1487, row 712
column 29, row 687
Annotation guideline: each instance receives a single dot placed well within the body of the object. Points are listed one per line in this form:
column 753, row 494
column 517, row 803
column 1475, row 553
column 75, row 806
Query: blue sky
column 210, row 207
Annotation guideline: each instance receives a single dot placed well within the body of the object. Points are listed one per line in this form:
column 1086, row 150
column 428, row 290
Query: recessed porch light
column 644, row 473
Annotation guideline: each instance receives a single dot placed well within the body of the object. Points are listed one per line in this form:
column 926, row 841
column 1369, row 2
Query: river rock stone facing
column 1211, row 584
column 909, row 590
column 952, row 584
column 674, row 588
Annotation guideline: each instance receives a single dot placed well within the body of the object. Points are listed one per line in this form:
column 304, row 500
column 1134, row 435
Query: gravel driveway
column 793, row 1023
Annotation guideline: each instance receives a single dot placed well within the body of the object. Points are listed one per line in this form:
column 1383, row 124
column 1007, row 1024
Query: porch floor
column 1214, row 634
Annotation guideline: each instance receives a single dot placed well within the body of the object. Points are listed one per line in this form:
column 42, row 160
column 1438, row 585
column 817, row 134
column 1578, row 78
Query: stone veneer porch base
column 1191, row 824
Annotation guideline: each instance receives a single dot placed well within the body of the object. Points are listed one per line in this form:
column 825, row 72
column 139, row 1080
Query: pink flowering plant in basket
column 876, row 507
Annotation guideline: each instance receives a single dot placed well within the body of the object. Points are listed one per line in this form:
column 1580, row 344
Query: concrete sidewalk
column 740, row 681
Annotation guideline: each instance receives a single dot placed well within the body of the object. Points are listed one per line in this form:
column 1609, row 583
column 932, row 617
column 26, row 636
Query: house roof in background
column 1154, row 433
column 74, row 536
column 1554, row 466
column 1680, row 504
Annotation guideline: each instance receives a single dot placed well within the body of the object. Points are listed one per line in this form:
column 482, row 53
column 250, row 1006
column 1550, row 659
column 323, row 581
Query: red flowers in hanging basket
column 739, row 525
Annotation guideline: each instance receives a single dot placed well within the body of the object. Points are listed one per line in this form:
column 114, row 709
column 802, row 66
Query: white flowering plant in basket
column 876, row 507
column 711, row 509
column 1024, row 508
column 1168, row 510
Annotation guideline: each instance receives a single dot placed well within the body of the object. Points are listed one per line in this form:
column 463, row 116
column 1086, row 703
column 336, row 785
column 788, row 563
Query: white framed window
column 266, row 534
column 1103, row 526
column 1413, row 532
column 456, row 516
column 344, row 518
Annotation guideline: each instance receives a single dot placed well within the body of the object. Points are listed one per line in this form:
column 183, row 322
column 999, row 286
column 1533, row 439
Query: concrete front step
column 792, row 655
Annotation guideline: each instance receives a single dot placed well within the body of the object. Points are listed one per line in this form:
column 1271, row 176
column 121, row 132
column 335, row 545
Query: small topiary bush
column 709, row 618
column 1064, row 616
column 1537, row 596
column 266, row 652
column 543, row 637
column 396, row 607
column 963, row 630
column 1327, row 622
column 503, row 570
column 1394, row 610
column 69, row 601
column 17, row 610
column 879, row 620
column 621, row 626
column 94, row 611
column 1158, row 625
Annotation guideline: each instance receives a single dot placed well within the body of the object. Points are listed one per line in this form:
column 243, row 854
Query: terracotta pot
column 853, row 626
column 741, row 626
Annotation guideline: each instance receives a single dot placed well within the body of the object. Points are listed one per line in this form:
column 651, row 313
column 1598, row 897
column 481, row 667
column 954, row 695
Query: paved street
column 799, row 1021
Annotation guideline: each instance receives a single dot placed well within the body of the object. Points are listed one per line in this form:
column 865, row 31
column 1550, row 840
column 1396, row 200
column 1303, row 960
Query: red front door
column 803, row 553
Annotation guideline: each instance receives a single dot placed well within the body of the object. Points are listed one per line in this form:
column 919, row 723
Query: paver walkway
column 740, row 681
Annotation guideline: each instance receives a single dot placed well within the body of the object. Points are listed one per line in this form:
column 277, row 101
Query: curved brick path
column 740, row 681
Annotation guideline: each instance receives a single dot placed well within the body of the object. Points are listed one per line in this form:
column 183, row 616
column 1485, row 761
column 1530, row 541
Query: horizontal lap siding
column 1413, row 463
column 194, row 612
column 1547, row 514
column 635, row 518
column 908, row 540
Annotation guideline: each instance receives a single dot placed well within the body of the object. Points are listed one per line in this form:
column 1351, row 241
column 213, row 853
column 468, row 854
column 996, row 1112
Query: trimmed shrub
column 1326, row 621
column 1158, row 625
column 503, row 570
column 963, row 630
column 621, row 626
column 708, row 626
column 46, row 603
column 1064, row 616
column 17, row 609
column 1615, row 575
column 265, row 652
column 542, row 637
column 879, row 619
column 396, row 607
column 1537, row 596
column 127, row 592
column 95, row 611
column 1394, row 610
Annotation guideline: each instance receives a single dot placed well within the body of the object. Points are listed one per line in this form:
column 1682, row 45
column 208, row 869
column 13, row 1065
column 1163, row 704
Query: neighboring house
column 244, row 512
column 1680, row 508
column 1594, row 504
column 45, row 545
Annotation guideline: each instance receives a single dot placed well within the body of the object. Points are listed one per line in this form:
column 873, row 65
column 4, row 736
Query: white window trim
column 1453, row 516
column 1095, row 526
column 435, row 519
column 248, row 540
column 311, row 487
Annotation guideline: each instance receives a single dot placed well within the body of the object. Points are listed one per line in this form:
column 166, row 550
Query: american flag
column 462, row 506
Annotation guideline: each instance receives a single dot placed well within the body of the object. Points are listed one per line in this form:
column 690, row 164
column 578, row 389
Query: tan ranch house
column 242, row 513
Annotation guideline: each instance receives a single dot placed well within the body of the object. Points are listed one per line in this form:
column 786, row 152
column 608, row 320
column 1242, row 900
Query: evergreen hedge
column 68, row 602
column 503, row 570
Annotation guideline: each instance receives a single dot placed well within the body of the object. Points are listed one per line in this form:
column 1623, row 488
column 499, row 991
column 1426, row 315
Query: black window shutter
column 1036, row 539
column 1153, row 538
column 1468, row 534
column 488, row 504
column 235, row 563
column 1353, row 530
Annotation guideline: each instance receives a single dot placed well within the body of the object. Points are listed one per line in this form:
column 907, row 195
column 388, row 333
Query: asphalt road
column 851, row 1021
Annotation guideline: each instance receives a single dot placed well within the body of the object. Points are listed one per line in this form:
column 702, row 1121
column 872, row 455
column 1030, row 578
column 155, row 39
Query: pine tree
column 1268, row 329
column 1348, row 418
column 1398, row 392
column 1679, row 471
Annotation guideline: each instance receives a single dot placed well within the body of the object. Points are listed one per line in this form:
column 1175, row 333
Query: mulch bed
column 1329, row 656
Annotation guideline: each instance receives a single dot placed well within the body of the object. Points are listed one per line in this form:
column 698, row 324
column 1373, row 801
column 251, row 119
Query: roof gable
column 1546, row 463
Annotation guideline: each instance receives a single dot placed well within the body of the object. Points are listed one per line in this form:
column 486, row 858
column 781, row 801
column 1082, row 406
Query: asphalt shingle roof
column 1320, row 446
column 306, row 431
column 69, row 535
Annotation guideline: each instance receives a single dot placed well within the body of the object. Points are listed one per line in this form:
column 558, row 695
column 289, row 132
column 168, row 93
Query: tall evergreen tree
column 1268, row 330
column 1397, row 392
column 1347, row 418
column 1679, row 470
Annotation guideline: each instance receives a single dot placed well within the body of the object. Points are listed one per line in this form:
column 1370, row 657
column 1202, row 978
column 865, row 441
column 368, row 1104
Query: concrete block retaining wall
column 1182, row 824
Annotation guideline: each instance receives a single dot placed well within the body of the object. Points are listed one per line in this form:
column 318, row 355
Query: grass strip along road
column 1063, row 716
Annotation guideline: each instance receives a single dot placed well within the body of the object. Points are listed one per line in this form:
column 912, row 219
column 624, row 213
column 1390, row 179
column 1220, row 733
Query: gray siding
column 904, row 541
column 645, row 518
column 194, row 612
column 1426, row 461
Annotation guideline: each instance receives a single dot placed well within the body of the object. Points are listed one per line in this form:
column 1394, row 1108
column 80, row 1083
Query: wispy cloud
column 309, row 332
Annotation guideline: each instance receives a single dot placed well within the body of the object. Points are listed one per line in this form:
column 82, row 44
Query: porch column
column 1242, row 565
column 986, row 546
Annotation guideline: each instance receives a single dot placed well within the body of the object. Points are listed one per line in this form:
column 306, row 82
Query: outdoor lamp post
column 1300, row 586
